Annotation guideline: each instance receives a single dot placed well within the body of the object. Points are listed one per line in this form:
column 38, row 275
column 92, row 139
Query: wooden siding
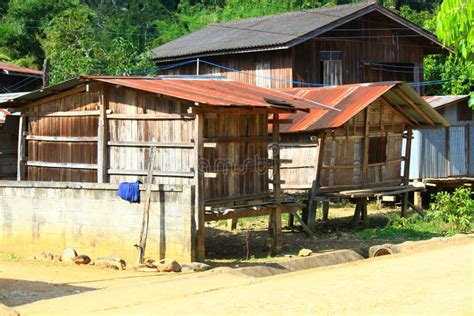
column 63, row 126
column 280, row 67
column 241, row 166
column 8, row 148
column 342, row 164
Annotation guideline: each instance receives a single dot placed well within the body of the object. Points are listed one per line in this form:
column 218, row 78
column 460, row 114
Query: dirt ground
column 437, row 280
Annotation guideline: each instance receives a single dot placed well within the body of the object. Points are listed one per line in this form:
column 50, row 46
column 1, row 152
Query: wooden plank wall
column 8, row 148
column 237, row 154
column 246, row 64
column 132, row 121
column 63, row 126
column 343, row 153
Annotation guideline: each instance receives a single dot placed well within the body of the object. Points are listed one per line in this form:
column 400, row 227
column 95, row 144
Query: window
column 331, row 67
column 377, row 149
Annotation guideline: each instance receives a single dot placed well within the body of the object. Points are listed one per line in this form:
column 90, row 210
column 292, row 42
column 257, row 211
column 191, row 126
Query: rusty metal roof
column 6, row 68
column 353, row 98
column 202, row 90
column 438, row 101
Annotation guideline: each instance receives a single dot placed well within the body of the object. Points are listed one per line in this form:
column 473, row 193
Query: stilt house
column 209, row 133
column 361, row 145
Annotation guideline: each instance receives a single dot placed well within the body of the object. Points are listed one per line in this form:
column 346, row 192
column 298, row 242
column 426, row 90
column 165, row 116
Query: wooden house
column 359, row 149
column 209, row 133
column 14, row 78
column 445, row 157
column 342, row 44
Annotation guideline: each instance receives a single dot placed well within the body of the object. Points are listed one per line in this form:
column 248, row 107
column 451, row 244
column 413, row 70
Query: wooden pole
column 199, row 214
column 275, row 217
column 197, row 67
column 102, row 164
column 317, row 182
column 21, row 149
column 406, row 171
column 365, row 154
column 146, row 210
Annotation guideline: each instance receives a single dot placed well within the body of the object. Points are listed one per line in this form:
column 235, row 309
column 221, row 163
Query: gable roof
column 272, row 32
column 11, row 68
column 202, row 90
column 353, row 98
column 438, row 101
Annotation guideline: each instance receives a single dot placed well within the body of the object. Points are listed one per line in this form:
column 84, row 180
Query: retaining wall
column 40, row 217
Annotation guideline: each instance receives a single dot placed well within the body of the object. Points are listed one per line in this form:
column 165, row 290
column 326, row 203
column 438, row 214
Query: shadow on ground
column 19, row 292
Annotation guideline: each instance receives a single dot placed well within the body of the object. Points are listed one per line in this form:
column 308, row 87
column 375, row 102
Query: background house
column 343, row 44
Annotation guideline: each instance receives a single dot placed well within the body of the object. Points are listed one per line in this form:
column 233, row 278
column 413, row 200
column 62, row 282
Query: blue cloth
column 129, row 191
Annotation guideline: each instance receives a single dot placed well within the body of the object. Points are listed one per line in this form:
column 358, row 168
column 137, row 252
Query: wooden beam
column 199, row 205
column 406, row 171
column 316, row 185
column 404, row 115
column 303, row 224
column 250, row 212
column 102, row 136
column 160, row 117
column 21, row 152
column 62, row 165
column 83, row 139
column 164, row 174
column 148, row 144
column 239, row 198
column 250, row 139
column 281, row 121
column 414, row 106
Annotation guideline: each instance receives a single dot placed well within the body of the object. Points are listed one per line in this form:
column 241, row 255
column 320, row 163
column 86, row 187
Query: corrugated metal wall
column 444, row 152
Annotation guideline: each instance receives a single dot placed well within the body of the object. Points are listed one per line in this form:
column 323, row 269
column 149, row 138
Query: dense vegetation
column 115, row 36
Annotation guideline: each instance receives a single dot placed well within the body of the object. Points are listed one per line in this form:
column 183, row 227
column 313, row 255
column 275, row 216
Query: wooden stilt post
column 365, row 148
column 275, row 217
column 357, row 213
column 406, row 171
column 199, row 188
column 291, row 220
column 325, row 210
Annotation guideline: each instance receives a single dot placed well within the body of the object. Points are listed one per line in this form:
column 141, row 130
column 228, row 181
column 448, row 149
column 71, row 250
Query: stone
column 150, row 263
column 82, row 259
column 196, row 266
column 68, row 255
column 111, row 263
column 167, row 265
column 7, row 311
column 305, row 252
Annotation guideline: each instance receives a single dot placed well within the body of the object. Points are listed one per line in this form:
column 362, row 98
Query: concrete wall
column 40, row 217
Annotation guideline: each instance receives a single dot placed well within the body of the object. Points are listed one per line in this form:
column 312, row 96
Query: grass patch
column 412, row 228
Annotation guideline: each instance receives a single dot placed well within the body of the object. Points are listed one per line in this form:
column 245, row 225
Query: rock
column 68, row 255
column 196, row 266
column 111, row 262
column 150, row 263
column 82, row 259
column 305, row 252
column 146, row 269
column 7, row 311
column 167, row 265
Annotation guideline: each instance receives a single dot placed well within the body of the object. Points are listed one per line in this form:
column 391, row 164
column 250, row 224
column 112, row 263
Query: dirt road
column 438, row 281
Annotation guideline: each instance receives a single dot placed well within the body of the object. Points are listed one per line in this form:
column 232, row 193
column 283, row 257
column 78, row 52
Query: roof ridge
column 361, row 4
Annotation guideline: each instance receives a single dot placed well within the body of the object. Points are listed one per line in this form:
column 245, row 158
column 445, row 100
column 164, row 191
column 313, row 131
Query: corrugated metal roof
column 353, row 98
column 6, row 67
column 273, row 31
column 437, row 101
column 205, row 90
